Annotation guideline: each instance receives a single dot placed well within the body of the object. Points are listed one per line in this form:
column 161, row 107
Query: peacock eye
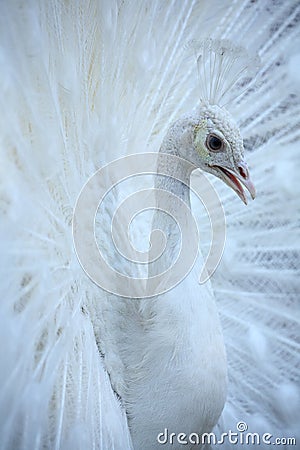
column 214, row 143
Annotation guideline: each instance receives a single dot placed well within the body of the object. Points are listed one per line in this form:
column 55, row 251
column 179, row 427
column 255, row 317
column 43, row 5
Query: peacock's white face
column 216, row 146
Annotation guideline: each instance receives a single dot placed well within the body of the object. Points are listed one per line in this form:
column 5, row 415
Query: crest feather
column 225, row 70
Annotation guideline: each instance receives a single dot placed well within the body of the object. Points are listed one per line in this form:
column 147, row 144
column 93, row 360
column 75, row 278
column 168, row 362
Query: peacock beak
column 237, row 177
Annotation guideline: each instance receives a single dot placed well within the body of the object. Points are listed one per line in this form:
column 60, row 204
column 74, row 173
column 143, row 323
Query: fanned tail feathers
column 84, row 83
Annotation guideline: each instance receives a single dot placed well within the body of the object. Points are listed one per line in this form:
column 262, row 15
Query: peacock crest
column 225, row 70
column 87, row 84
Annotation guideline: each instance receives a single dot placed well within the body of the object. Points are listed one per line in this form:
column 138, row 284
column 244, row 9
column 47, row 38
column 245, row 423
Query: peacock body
column 84, row 83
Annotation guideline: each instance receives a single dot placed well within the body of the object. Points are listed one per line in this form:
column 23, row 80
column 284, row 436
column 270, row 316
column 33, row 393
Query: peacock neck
column 177, row 185
column 181, row 352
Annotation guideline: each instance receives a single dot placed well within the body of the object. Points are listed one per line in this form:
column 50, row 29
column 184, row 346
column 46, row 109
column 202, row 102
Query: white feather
column 84, row 83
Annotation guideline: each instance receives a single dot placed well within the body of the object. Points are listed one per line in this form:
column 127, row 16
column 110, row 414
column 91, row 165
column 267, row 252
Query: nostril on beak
column 243, row 172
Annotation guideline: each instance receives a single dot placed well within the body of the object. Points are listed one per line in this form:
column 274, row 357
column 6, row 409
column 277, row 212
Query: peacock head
column 211, row 140
column 216, row 145
column 218, row 142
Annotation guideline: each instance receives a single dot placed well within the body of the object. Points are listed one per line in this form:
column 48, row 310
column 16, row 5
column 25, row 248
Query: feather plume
column 223, row 66
column 86, row 82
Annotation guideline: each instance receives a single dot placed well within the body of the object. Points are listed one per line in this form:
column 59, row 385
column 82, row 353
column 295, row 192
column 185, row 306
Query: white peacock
column 84, row 84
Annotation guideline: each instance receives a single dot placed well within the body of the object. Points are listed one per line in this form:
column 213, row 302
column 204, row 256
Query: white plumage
column 82, row 84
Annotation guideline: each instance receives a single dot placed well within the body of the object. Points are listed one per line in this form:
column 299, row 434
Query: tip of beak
column 244, row 178
column 243, row 198
column 236, row 179
column 251, row 190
